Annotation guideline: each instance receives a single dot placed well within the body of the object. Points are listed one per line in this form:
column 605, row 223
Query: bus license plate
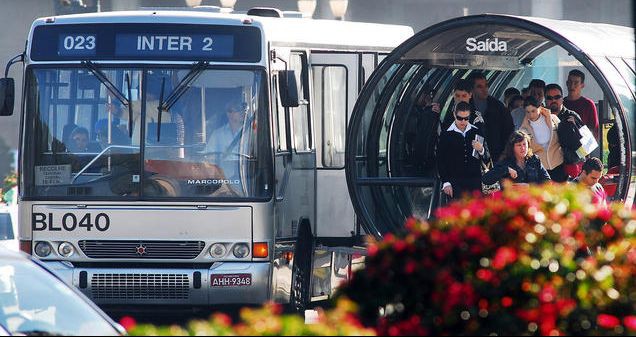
column 230, row 280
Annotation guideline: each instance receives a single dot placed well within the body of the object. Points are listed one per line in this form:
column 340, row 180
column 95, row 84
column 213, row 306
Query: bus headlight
column 218, row 250
column 66, row 249
column 43, row 249
column 241, row 250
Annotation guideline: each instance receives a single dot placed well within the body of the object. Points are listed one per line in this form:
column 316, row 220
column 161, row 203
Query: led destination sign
column 197, row 45
column 146, row 42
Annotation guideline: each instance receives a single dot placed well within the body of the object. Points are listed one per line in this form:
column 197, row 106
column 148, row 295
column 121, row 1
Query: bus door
column 336, row 79
column 295, row 153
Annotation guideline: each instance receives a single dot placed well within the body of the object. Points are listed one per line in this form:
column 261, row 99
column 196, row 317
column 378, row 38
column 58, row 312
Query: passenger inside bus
column 158, row 147
column 80, row 142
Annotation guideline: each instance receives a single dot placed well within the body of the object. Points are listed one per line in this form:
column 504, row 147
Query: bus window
column 279, row 114
column 300, row 115
column 330, row 88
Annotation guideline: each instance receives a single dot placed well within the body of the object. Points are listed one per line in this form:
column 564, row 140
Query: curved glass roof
column 385, row 183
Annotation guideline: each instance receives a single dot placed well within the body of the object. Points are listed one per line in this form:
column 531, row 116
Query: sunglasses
column 551, row 98
column 462, row 118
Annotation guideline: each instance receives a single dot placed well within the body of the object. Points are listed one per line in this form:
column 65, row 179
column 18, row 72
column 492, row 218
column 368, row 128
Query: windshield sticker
column 49, row 175
column 213, row 182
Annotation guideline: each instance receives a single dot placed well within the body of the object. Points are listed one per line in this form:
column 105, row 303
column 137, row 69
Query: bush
column 264, row 321
column 540, row 261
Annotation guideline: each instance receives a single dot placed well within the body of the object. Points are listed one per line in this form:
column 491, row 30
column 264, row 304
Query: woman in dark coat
column 517, row 163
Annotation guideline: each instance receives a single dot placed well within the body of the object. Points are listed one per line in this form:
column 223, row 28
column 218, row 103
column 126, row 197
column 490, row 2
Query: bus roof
column 293, row 31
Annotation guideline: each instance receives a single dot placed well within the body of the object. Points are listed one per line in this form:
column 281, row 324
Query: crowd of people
column 534, row 136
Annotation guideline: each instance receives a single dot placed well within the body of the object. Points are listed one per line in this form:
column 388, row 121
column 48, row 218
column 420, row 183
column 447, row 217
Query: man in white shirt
column 225, row 141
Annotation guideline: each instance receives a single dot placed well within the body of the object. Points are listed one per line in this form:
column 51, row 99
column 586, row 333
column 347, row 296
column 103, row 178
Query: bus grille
column 100, row 249
column 140, row 286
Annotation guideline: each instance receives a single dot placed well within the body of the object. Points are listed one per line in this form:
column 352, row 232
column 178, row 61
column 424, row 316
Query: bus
column 192, row 157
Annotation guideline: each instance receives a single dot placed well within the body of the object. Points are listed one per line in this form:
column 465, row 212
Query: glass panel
column 211, row 138
column 387, row 122
column 279, row 113
column 300, row 115
column 81, row 145
column 334, row 104
column 365, row 122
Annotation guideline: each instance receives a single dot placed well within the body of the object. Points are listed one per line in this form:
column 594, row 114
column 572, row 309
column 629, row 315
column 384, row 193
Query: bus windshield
column 105, row 132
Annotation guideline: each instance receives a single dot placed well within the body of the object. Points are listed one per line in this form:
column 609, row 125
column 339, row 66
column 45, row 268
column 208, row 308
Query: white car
column 8, row 230
column 34, row 301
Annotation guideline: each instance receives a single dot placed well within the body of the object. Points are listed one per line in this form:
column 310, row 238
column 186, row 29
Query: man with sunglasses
column 568, row 129
column 459, row 169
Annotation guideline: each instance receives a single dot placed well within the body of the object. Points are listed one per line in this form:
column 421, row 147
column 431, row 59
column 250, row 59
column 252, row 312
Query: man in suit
column 461, row 154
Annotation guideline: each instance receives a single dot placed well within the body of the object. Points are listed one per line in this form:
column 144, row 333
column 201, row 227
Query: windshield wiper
column 178, row 91
column 113, row 90
column 160, row 109
column 106, row 82
column 130, row 108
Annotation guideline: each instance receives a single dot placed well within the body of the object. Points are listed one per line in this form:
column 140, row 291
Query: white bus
column 233, row 188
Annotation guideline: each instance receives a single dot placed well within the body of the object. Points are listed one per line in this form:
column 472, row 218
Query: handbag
column 492, row 188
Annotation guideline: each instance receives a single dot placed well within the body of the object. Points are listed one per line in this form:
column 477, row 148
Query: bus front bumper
column 223, row 283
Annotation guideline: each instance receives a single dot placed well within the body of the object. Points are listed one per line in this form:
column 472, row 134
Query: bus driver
column 224, row 142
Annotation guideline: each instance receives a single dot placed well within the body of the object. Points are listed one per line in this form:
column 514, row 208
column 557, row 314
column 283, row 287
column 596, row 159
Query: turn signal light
column 260, row 249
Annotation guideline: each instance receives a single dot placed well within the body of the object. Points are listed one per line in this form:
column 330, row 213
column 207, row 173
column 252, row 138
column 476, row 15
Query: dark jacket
column 569, row 135
column 421, row 139
column 455, row 161
column 534, row 171
column 496, row 128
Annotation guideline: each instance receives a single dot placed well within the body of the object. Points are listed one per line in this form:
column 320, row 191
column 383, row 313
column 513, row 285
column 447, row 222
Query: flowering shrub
column 540, row 261
column 265, row 321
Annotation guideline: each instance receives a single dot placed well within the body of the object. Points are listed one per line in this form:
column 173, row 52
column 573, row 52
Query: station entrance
column 391, row 171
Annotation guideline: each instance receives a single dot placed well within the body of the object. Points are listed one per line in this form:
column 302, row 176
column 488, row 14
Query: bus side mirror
column 288, row 88
column 7, row 96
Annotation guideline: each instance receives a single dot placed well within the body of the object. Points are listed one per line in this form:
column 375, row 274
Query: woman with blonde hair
column 517, row 163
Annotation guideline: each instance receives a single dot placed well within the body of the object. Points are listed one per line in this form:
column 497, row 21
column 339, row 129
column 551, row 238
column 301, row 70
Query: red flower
column 630, row 322
column 128, row 322
column 547, row 294
column 399, row 246
column 411, row 223
column 222, row 318
column 506, row 301
column 607, row 321
column 503, row 257
column 608, row 231
column 604, row 214
column 410, row 267
column 372, row 250
column 485, row 275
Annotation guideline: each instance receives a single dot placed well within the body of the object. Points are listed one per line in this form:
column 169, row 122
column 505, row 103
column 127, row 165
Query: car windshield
column 32, row 301
column 205, row 133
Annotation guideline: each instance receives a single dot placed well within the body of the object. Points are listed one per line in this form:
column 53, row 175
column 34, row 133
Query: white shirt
column 225, row 144
column 542, row 132
column 454, row 127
